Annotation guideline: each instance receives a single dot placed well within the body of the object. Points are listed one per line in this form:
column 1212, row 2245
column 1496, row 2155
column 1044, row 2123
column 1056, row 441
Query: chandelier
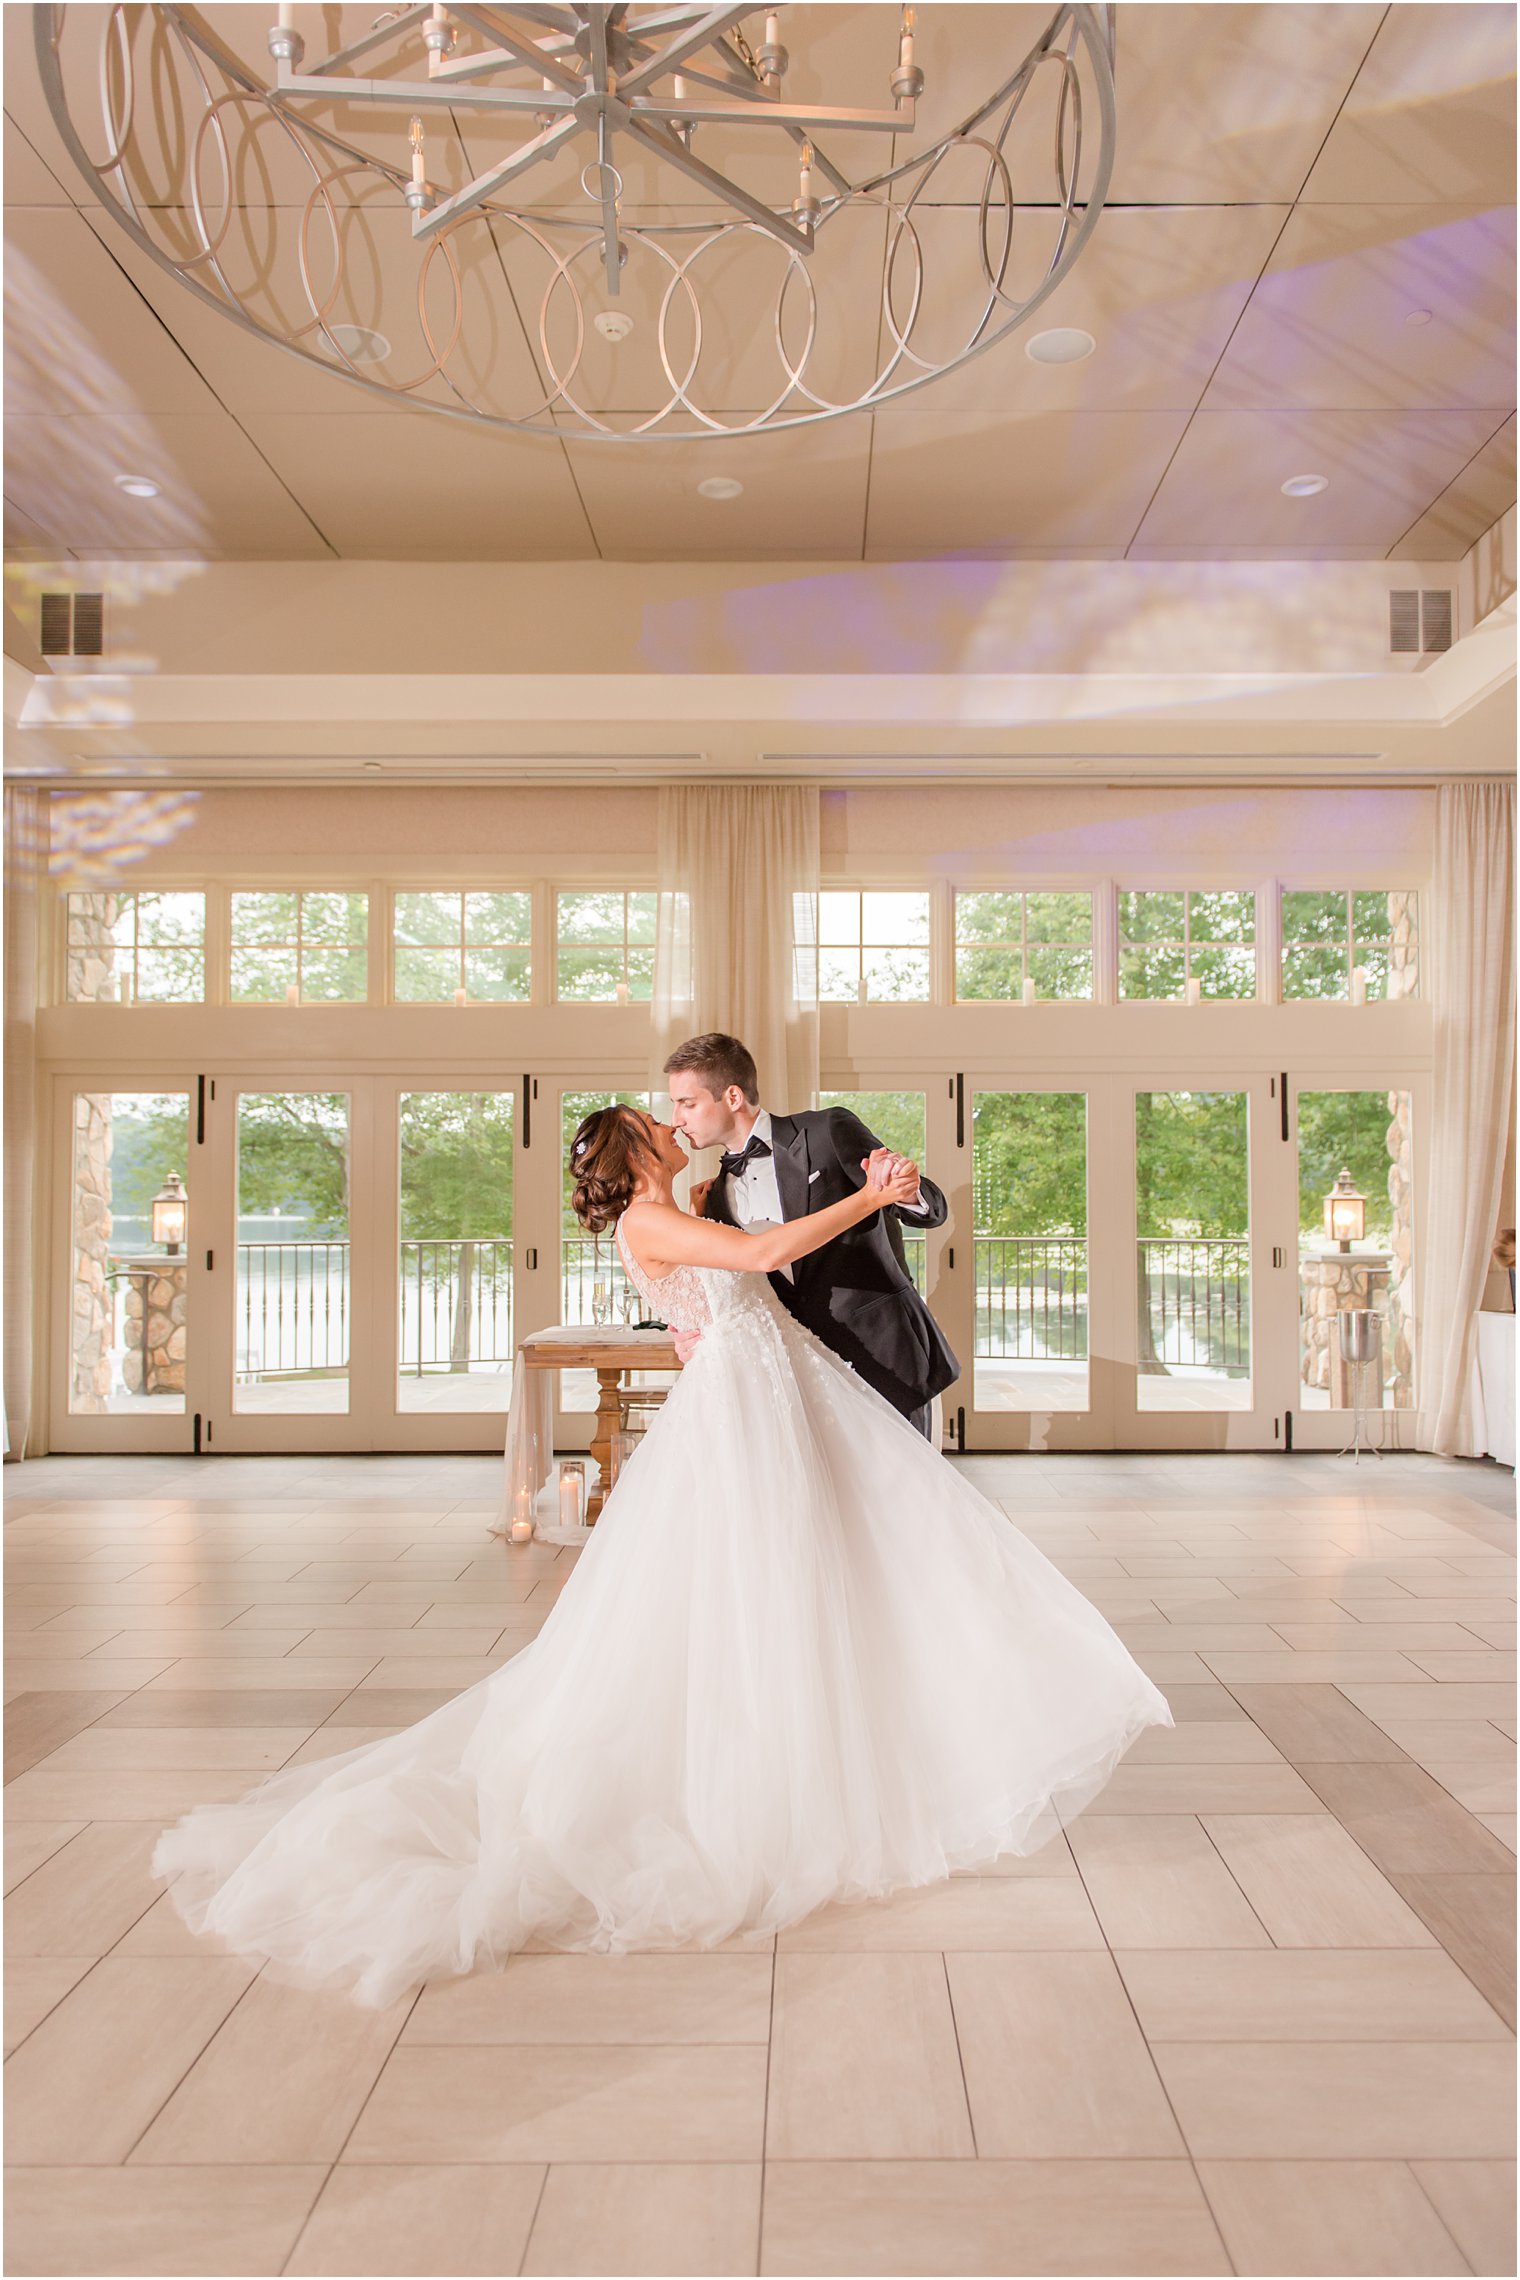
column 693, row 261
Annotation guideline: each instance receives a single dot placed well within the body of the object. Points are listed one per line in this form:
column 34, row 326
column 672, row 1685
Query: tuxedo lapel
column 790, row 1149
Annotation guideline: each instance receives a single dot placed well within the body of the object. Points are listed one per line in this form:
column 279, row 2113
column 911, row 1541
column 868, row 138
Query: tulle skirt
column 801, row 1659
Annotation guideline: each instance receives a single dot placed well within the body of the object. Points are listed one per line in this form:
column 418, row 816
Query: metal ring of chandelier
column 502, row 258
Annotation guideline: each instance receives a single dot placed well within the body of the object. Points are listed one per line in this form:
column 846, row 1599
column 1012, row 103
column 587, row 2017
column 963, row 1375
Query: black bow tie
column 754, row 1146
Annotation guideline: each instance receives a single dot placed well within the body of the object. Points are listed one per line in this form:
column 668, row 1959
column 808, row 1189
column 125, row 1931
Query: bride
column 800, row 1659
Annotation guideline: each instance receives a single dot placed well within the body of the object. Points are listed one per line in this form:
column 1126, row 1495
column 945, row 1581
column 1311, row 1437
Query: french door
column 1129, row 1263
column 1121, row 1274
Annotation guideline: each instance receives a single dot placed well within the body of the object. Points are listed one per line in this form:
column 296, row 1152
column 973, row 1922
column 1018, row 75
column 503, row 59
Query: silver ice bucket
column 1361, row 1334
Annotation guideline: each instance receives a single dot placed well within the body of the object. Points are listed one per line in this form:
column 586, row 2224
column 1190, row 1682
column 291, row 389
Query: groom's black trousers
column 922, row 1420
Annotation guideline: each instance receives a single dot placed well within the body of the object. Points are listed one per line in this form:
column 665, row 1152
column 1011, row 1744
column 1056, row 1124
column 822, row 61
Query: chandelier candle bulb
column 905, row 42
column 419, row 165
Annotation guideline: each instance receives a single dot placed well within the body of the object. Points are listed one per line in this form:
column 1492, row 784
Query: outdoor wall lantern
column 169, row 1211
column 1345, row 1212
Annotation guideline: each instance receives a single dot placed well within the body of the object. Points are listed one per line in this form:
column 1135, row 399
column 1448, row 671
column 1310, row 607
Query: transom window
column 301, row 947
column 135, row 949
column 1330, row 935
column 1167, row 939
column 873, row 946
column 604, row 945
column 461, row 946
column 1003, row 941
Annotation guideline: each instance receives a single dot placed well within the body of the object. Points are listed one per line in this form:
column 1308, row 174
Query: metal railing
column 1031, row 1296
column 456, row 1303
column 1195, row 1304
column 292, row 1309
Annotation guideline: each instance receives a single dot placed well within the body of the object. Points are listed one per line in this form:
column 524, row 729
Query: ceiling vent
column 73, row 625
column 1420, row 624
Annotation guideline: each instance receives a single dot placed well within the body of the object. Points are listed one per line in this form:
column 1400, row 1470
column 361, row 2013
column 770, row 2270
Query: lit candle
column 522, row 1517
column 419, row 167
column 773, row 30
column 805, row 175
column 1359, row 985
column 677, row 88
column 572, row 1496
column 460, row 997
column 292, row 993
column 622, row 993
column 905, row 43
column 1193, row 994
column 1029, row 996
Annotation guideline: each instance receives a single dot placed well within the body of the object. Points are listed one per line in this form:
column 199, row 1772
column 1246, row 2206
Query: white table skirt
column 1496, row 1377
column 529, row 1452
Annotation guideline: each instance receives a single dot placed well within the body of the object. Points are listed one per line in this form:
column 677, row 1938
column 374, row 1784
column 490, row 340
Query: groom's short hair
column 720, row 1061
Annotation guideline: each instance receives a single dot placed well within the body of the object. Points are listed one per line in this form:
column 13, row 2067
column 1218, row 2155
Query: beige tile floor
column 1253, row 2013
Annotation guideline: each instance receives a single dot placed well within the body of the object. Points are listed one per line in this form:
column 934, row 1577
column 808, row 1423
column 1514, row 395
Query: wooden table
column 611, row 1355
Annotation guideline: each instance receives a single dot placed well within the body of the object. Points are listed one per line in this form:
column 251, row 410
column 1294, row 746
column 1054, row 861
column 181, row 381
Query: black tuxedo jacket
column 855, row 1293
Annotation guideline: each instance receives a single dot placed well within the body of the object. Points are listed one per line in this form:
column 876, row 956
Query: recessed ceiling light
column 137, row 486
column 613, row 325
column 359, row 344
column 1305, row 486
column 719, row 487
column 1418, row 317
column 1064, row 344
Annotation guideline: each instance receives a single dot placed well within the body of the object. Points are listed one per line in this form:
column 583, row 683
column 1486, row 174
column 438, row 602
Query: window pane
column 838, row 918
column 894, row 918
column 838, row 975
column 1315, row 974
column 170, row 977
column 989, row 918
column 1061, row 973
column 127, row 1294
column 340, row 974
column 263, row 918
column 593, row 1286
column 1222, row 918
column 1404, row 955
column 426, row 976
column 504, row 975
column 498, row 918
column 162, row 919
column 1060, row 918
column 1370, row 916
column 261, row 975
column 338, row 917
column 1225, row 973
column 456, row 1343
column 640, row 976
column 988, row 973
column 1151, row 973
column 291, row 1335
column 427, row 918
column 1313, row 915
column 896, row 974
column 1193, row 1268
column 896, row 1119
column 1374, row 964
column 1146, row 917
column 590, row 973
column 1029, row 1251
column 1369, row 1133
column 641, row 917
column 590, row 917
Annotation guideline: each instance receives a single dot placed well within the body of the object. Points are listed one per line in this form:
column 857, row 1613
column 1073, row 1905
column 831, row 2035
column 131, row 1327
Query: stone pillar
column 154, row 1306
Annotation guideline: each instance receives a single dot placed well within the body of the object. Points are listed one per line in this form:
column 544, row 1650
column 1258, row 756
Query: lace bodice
column 692, row 1298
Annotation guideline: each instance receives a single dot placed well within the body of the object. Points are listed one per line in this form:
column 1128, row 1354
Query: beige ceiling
column 1293, row 185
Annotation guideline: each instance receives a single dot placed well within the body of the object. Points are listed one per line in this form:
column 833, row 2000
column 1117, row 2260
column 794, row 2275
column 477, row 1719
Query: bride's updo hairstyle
column 607, row 1156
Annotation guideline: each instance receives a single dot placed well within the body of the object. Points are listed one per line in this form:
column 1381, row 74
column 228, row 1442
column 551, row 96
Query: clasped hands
column 881, row 1166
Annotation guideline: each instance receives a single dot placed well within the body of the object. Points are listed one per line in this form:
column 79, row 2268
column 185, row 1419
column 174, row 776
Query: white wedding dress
column 800, row 1659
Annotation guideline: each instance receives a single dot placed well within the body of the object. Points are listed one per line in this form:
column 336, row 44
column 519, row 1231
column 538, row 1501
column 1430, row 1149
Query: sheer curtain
column 1472, row 983
column 738, row 888
column 23, row 863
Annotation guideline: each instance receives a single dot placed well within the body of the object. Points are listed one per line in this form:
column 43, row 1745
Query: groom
column 855, row 1293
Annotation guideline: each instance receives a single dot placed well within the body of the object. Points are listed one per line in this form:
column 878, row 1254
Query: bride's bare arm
column 663, row 1237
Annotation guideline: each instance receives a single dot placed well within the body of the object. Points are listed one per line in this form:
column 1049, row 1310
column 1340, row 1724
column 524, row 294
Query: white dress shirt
column 754, row 1194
